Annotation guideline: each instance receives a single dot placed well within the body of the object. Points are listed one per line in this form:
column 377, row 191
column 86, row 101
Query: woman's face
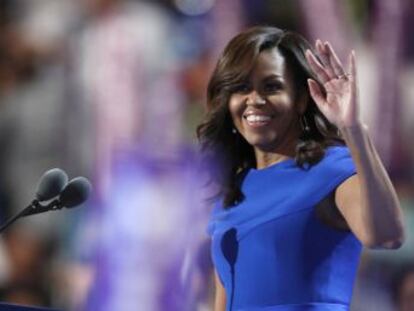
column 265, row 109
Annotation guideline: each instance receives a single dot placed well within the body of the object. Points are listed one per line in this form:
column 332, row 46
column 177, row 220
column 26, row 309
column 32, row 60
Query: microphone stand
column 34, row 208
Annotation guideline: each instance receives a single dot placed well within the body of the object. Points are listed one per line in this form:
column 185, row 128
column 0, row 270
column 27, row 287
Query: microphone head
column 76, row 192
column 51, row 184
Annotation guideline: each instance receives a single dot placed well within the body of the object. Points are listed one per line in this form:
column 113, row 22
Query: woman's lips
column 257, row 120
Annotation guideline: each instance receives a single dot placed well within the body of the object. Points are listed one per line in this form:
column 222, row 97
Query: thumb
column 315, row 92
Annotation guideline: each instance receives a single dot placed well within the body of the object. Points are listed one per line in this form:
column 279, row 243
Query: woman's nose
column 254, row 98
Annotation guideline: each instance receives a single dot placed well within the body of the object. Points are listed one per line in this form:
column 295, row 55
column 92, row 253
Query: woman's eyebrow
column 273, row 76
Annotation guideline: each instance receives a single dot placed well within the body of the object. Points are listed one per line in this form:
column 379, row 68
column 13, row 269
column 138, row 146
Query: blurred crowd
column 113, row 90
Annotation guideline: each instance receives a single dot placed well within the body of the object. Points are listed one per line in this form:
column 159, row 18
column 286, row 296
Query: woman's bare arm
column 220, row 295
column 368, row 200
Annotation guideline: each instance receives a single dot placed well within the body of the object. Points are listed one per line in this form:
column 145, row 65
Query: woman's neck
column 267, row 158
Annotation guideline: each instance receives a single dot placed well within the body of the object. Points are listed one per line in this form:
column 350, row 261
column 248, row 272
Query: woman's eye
column 242, row 88
column 271, row 87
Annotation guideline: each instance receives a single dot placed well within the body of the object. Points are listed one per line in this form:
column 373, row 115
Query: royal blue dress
column 271, row 251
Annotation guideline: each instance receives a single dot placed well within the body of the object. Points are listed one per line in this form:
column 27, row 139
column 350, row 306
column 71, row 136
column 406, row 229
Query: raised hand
column 339, row 103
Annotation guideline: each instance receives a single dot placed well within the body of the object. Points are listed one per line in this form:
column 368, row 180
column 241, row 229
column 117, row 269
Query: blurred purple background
column 113, row 90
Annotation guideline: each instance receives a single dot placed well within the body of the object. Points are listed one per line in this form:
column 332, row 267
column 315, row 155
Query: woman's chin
column 262, row 143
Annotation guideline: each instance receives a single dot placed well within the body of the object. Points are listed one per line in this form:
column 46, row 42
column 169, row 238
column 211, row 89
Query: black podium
column 13, row 307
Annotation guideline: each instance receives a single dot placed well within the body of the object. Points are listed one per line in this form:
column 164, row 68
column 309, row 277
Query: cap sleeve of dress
column 211, row 226
column 338, row 165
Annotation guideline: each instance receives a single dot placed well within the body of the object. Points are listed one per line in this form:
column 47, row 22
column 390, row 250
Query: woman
column 302, row 188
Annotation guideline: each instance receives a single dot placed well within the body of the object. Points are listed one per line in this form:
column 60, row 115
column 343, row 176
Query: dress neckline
column 290, row 161
column 283, row 163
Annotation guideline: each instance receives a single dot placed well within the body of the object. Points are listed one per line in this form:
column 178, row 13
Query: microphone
column 75, row 193
column 55, row 183
column 51, row 184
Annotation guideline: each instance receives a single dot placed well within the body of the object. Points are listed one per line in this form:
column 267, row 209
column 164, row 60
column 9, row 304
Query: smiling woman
column 265, row 112
column 262, row 65
column 302, row 188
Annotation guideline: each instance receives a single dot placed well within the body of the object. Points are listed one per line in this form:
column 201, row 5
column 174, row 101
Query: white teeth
column 257, row 118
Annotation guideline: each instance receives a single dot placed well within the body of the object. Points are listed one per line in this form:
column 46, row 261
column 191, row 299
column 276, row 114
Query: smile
column 257, row 120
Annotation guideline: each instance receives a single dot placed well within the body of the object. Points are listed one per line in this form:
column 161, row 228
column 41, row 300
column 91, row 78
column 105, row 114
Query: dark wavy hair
column 235, row 155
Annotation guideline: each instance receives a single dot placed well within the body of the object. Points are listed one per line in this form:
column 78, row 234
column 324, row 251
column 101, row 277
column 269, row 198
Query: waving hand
column 340, row 104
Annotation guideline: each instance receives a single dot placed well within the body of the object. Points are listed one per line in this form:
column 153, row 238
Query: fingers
column 334, row 60
column 316, row 67
column 353, row 69
column 324, row 57
column 328, row 66
column 353, row 72
column 316, row 92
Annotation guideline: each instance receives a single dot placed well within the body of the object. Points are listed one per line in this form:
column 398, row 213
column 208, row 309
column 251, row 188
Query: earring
column 234, row 131
column 304, row 124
